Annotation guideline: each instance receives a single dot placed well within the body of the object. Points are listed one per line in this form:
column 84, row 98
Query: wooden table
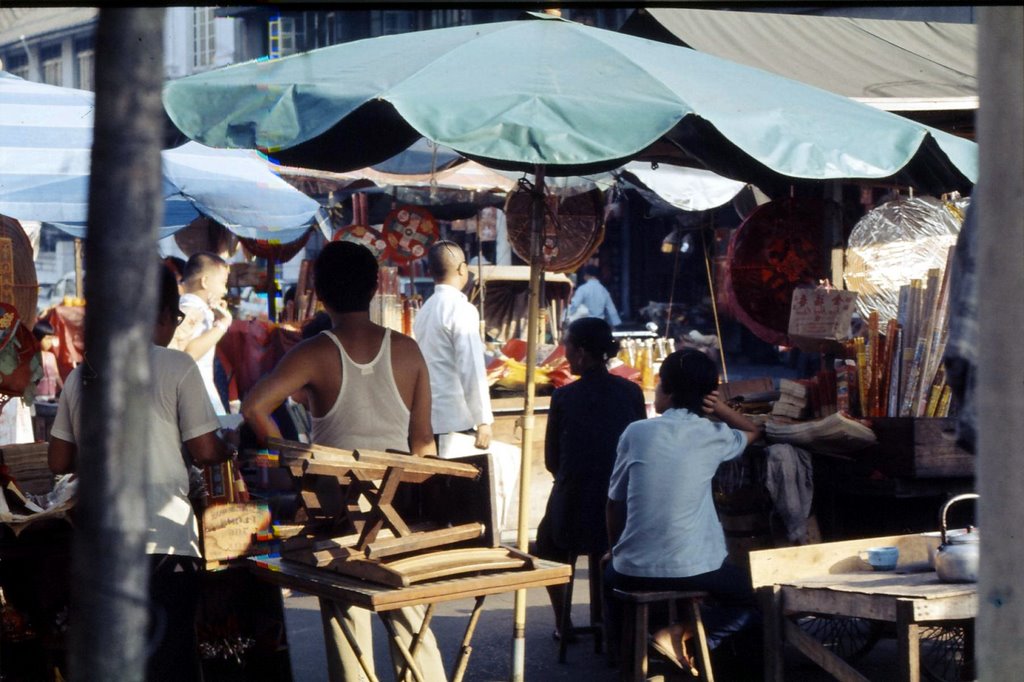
column 377, row 598
column 829, row 579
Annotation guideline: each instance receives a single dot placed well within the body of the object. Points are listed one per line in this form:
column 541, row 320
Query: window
column 53, row 65
column 16, row 64
column 203, row 42
column 443, row 18
column 85, row 59
column 281, row 34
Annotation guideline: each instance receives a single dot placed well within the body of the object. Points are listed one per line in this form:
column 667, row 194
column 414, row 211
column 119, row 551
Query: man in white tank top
column 367, row 388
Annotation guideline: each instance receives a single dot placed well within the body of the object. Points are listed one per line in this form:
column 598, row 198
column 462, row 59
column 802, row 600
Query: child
column 50, row 385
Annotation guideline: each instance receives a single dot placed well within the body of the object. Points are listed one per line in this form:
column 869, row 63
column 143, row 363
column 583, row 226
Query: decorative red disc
column 779, row 247
column 409, row 231
column 368, row 236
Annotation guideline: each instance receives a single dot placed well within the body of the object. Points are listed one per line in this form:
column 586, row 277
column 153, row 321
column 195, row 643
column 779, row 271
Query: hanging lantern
column 273, row 250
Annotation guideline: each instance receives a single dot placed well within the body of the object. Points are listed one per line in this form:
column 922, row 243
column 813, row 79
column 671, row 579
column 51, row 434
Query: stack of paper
column 793, row 400
column 834, row 434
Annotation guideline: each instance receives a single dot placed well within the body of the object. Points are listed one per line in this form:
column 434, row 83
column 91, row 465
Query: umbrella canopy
column 575, row 99
column 45, row 155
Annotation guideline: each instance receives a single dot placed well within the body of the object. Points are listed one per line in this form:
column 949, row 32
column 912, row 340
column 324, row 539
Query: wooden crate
column 917, row 448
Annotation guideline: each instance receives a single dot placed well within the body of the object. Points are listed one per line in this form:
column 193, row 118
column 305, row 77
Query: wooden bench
column 634, row 631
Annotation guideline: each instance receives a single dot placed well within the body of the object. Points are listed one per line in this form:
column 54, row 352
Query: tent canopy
column 46, row 154
column 575, row 99
column 893, row 65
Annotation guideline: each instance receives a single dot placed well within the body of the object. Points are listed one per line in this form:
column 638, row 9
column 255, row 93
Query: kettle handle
column 945, row 507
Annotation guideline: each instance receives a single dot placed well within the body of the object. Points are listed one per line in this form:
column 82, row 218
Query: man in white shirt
column 204, row 282
column 447, row 329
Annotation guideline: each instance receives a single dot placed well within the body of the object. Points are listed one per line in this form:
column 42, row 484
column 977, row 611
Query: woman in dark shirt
column 585, row 421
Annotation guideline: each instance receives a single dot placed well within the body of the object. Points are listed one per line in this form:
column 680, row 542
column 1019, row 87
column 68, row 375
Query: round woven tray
column 777, row 248
column 19, row 287
column 573, row 228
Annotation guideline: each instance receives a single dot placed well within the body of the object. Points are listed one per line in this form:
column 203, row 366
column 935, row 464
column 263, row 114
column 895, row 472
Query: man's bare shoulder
column 405, row 348
column 313, row 349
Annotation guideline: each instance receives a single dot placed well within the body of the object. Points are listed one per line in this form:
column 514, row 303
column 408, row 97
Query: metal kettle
column 956, row 559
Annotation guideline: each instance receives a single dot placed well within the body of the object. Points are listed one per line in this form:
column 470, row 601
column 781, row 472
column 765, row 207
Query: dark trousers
column 174, row 589
column 734, row 606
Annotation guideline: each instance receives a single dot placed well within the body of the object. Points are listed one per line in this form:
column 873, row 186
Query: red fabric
column 250, row 349
column 68, row 323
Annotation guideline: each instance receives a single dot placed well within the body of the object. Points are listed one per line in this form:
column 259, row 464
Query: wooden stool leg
column 596, row 595
column 564, row 630
column 634, row 642
column 703, row 653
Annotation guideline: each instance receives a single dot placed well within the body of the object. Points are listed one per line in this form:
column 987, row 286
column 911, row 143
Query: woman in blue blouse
column 662, row 525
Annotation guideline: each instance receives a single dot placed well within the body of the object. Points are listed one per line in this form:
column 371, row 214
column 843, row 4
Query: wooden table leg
column 414, row 645
column 908, row 642
column 466, row 649
column 774, row 640
column 406, row 654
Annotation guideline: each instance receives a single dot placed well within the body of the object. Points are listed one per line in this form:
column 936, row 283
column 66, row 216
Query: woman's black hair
column 593, row 335
column 686, row 377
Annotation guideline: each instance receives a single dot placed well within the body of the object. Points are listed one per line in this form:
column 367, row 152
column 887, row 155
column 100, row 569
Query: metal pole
column 110, row 570
column 523, row 535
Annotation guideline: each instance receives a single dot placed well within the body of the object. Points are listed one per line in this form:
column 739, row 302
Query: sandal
column 672, row 643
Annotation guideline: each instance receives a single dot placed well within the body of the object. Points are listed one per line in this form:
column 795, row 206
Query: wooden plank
column 385, row 547
column 831, row 603
column 886, row 583
column 420, row 465
column 321, row 583
column 772, row 566
column 930, row 610
column 814, row 650
column 453, row 561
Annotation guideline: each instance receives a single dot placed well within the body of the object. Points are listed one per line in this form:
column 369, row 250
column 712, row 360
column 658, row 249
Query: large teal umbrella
column 567, row 96
column 556, row 98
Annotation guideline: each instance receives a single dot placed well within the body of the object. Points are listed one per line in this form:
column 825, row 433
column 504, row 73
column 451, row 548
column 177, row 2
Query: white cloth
column 374, row 415
column 195, row 307
column 663, row 473
column 447, row 329
column 177, row 414
column 790, row 482
column 506, row 460
column 16, row 423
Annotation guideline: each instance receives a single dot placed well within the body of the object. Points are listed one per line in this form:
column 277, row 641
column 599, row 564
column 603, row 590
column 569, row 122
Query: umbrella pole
column 523, row 537
column 714, row 306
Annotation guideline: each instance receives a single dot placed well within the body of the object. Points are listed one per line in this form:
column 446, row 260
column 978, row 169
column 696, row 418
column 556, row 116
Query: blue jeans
column 733, row 609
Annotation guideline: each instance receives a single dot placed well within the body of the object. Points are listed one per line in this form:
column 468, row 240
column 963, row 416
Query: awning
column 891, row 65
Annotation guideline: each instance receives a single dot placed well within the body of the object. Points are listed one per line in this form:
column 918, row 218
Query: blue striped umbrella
column 45, row 153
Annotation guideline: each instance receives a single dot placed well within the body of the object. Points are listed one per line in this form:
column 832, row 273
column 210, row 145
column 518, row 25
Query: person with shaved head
column 447, row 329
